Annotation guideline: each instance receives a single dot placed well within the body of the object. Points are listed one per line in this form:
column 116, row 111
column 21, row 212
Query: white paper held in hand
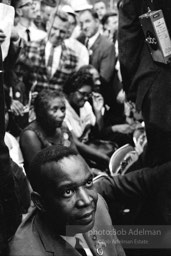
column 7, row 22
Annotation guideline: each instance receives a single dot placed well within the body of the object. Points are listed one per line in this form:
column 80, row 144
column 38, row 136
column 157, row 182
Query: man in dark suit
column 146, row 81
column 103, row 58
column 68, row 210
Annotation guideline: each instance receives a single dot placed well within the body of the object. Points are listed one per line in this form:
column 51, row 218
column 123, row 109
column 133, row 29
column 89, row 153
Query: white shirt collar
column 93, row 39
column 72, row 241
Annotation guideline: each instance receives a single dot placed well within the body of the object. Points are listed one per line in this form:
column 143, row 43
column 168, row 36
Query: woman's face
column 79, row 97
column 56, row 112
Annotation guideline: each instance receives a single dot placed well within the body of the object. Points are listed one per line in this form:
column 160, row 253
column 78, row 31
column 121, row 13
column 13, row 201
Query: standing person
column 146, row 81
column 101, row 50
column 26, row 12
column 100, row 8
column 49, row 60
column 110, row 27
column 103, row 58
column 79, row 49
column 70, row 217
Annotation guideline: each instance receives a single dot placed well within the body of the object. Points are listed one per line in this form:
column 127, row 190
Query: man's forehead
column 57, row 22
column 66, row 168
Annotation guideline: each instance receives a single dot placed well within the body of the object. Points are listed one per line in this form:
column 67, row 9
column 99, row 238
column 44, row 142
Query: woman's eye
column 63, row 109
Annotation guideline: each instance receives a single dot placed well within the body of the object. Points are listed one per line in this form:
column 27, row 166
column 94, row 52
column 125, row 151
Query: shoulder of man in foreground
column 27, row 240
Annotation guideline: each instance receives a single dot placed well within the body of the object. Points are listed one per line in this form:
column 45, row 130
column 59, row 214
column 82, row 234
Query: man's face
column 110, row 27
column 88, row 23
column 58, row 31
column 100, row 8
column 27, row 9
column 70, row 198
column 72, row 25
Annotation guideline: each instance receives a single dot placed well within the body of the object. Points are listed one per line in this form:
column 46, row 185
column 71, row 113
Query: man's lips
column 87, row 217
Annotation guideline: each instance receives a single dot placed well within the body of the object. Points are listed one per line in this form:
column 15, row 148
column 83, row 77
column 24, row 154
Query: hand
column 121, row 97
column 17, row 108
column 14, row 35
column 2, row 36
column 98, row 101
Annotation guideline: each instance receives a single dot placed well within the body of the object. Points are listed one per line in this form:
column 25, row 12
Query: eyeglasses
column 29, row 4
column 85, row 94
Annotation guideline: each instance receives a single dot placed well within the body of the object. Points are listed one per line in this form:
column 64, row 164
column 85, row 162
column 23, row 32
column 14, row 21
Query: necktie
column 87, row 43
column 50, row 60
column 79, row 247
column 28, row 35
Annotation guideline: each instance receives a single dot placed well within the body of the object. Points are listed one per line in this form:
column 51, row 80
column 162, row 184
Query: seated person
column 119, row 131
column 69, row 213
column 12, row 144
column 48, row 128
column 81, row 118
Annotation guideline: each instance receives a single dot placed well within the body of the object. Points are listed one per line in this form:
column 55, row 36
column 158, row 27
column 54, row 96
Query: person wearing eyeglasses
column 26, row 10
column 82, row 117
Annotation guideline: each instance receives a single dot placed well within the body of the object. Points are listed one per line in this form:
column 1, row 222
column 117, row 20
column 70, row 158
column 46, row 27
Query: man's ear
column 37, row 200
column 19, row 12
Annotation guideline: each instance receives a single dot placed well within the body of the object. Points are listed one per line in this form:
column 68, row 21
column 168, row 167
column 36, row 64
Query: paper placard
column 7, row 20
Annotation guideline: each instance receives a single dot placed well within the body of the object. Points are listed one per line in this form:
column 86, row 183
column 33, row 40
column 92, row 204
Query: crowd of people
column 77, row 84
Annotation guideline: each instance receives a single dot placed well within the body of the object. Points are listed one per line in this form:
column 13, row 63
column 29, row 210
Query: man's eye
column 68, row 193
column 89, row 183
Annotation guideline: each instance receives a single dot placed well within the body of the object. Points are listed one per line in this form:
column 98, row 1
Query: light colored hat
column 81, row 5
column 68, row 9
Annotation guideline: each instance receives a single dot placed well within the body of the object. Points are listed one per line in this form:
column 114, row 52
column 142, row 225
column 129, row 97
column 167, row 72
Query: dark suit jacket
column 146, row 81
column 137, row 67
column 103, row 58
column 9, row 207
column 34, row 238
column 148, row 186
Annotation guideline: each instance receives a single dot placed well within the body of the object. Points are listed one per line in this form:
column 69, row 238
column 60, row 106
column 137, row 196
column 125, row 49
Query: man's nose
column 84, row 26
column 84, row 199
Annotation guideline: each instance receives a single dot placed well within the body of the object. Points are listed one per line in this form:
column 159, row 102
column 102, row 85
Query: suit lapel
column 53, row 244
column 96, row 43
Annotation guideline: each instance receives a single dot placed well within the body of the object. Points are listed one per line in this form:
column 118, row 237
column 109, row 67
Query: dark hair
column 86, row 69
column 76, row 81
column 37, row 177
column 42, row 100
column 106, row 16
